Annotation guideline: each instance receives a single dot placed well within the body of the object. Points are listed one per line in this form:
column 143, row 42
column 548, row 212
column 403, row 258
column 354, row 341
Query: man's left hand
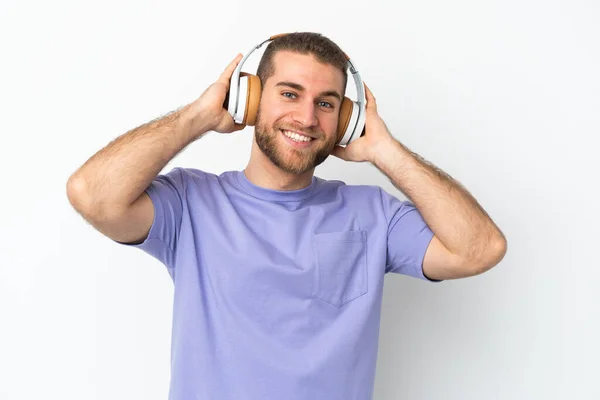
column 377, row 136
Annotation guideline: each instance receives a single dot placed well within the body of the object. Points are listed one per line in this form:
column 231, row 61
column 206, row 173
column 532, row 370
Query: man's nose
column 306, row 114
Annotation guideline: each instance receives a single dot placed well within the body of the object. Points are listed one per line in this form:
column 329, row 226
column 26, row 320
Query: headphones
column 244, row 97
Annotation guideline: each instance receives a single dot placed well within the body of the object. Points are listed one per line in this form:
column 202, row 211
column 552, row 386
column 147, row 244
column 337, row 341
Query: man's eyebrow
column 299, row 87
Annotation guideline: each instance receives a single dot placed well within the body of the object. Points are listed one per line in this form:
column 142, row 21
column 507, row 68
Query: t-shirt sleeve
column 408, row 237
column 167, row 192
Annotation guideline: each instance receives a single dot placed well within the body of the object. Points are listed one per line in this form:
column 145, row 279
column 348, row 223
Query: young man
column 278, row 274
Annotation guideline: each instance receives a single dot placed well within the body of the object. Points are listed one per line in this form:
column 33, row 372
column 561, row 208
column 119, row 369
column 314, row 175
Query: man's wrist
column 194, row 121
column 388, row 154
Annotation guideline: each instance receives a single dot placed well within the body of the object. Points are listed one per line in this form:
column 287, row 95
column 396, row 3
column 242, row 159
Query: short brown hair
column 323, row 48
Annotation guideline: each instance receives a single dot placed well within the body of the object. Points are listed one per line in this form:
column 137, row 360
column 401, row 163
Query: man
column 278, row 274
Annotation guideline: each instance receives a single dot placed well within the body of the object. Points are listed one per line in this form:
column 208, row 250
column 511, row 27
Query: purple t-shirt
column 278, row 293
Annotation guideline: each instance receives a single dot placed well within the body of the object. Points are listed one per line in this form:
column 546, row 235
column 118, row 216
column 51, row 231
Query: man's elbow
column 77, row 193
column 490, row 256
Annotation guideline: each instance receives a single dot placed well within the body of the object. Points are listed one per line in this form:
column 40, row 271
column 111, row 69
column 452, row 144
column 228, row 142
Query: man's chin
column 299, row 161
column 297, row 168
column 295, row 160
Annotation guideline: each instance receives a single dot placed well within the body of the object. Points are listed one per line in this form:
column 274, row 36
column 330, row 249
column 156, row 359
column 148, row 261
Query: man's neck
column 262, row 172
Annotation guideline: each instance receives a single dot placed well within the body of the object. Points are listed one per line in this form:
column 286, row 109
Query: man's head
column 303, row 77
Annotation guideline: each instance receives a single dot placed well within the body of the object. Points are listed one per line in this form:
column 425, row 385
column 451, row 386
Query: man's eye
column 325, row 104
column 289, row 94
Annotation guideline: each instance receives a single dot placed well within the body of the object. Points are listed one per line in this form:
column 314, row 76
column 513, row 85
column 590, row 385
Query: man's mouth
column 297, row 137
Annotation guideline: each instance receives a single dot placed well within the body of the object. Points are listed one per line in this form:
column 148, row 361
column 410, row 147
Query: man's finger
column 226, row 74
column 340, row 152
column 371, row 103
column 238, row 127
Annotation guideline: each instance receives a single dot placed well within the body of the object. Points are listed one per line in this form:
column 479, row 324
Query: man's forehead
column 306, row 69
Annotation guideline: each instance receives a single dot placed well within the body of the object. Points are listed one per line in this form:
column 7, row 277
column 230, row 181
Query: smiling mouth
column 296, row 137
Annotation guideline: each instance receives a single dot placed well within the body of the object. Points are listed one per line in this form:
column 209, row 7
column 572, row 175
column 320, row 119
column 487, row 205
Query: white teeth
column 296, row 137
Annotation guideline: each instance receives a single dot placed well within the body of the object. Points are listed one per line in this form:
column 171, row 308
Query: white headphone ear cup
column 231, row 96
column 241, row 97
column 349, row 134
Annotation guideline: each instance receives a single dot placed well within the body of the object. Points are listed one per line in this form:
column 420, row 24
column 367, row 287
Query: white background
column 502, row 95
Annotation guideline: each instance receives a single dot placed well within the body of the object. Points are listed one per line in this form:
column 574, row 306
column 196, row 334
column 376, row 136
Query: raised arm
column 466, row 240
column 108, row 190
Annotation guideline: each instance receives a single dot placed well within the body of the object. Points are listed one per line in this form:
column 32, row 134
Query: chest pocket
column 340, row 266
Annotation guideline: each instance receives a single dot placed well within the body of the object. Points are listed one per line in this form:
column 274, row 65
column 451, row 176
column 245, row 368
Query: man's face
column 297, row 119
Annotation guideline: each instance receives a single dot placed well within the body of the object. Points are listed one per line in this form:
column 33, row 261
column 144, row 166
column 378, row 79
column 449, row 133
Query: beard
column 292, row 160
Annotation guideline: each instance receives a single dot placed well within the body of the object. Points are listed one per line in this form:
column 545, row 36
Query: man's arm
column 466, row 241
column 109, row 189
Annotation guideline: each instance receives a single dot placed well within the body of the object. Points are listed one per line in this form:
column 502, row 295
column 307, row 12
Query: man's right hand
column 209, row 113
